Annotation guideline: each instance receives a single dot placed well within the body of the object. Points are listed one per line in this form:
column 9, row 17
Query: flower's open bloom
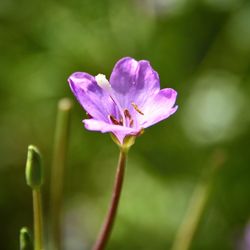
column 128, row 103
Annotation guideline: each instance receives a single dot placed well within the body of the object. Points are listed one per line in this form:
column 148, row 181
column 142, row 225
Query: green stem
column 57, row 171
column 189, row 225
column 38, row 219
column 188, row 228
column 105, row 232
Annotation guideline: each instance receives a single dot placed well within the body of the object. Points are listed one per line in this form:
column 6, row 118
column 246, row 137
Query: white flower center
column 103, row 82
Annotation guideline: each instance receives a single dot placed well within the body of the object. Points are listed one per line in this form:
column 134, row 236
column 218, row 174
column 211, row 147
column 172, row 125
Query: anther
column 136, row 108
column 113, row 120
column 131, row 123
column 127, row 114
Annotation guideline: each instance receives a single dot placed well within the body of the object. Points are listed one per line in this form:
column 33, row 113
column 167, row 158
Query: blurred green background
column 200, row 48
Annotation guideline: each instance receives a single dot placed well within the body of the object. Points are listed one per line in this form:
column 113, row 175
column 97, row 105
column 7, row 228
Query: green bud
column 34, row 171
column 25, row 239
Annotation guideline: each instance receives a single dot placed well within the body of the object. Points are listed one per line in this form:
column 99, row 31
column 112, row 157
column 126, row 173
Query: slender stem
column 110, row 218
column 38, row 219
column 196, row 207
column 197, row 204
column 57, row 171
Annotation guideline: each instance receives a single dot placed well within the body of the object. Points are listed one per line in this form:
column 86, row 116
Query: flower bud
column 25, row 239
column 34, row 171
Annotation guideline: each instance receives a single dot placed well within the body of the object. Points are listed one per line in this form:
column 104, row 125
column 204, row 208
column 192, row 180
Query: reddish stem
column 110, row 218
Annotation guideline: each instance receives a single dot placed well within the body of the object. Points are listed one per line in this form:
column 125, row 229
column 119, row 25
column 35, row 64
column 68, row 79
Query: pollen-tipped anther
column 136, row 108
column 114, row 121
column 127, row 114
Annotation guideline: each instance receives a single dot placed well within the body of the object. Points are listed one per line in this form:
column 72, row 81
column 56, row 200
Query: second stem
column 38, row 221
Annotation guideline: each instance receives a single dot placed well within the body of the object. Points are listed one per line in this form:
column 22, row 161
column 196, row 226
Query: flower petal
column 133, row 81
column 147, row 83
column 119, row 131
column 93, row 99
column 123, row 75
column 158, row 108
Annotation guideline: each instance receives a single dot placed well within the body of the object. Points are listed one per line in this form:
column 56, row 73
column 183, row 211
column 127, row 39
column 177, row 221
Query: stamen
column 127, row 114
column 128, row 117
column 131, row 123
column 114, row 121
column 136, row 108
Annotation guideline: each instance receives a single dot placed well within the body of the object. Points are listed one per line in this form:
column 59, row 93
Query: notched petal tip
column 169, row 93
column 146, row 66
column 80, row 77
column 125, row 59
column 80, row 80
column 125, row 63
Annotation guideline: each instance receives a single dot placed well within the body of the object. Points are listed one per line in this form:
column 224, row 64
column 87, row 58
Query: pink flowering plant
column 123, row 106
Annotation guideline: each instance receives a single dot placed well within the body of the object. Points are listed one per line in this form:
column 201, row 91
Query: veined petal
column 133, row 81
column 93, row 99
column 122, row 80
column 158, row 108
column 147, row 83
column 123, row 76
column 119, row 131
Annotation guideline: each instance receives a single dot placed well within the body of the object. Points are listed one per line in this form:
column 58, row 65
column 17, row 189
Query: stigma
column 103, row 82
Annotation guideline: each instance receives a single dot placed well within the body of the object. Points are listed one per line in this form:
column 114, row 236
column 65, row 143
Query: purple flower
column 128, row 103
